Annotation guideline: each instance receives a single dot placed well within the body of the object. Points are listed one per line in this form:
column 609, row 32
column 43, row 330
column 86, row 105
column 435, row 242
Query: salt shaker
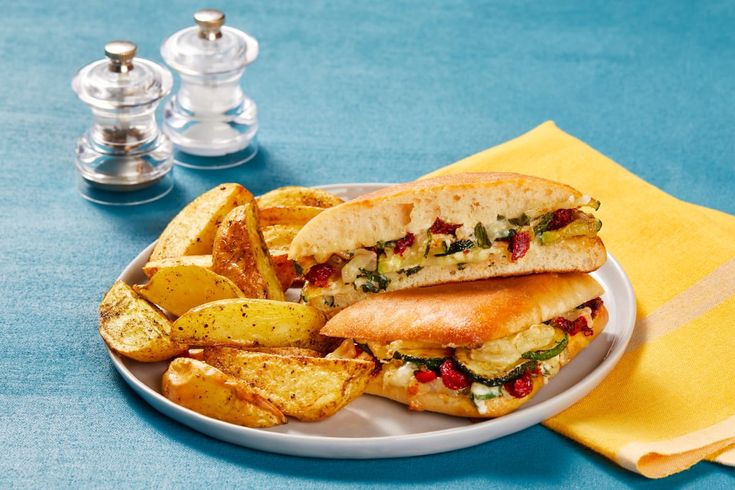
column 123, row 159
column 211, row 122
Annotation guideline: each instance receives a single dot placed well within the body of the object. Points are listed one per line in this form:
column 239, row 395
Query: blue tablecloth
column 375, row 91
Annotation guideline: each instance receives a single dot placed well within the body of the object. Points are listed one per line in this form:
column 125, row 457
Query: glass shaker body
column 210, row 120
column 123, row 158
column 210, row 116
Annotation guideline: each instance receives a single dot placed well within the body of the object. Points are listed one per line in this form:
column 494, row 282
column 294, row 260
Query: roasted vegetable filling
column 372, row 269
column 500, row 367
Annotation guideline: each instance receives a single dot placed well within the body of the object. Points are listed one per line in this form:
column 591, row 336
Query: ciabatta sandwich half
column 474, row 349
column 455, row 228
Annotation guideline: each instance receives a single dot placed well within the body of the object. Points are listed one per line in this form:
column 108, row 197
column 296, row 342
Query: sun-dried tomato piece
column 319, row 275
column 562, row 323
column 594, row 305
column 425, row 376
column 560, row 219
column 519, row 245
column 451, row 377
column 403, row 243
column 443, row 228
column 520, row 387
column 573, row 327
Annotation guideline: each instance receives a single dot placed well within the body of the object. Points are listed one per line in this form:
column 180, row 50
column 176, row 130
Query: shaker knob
column 120, row 54
column 209, row 21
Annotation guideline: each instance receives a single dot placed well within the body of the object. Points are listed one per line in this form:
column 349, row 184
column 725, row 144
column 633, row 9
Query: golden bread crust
column 467, row 313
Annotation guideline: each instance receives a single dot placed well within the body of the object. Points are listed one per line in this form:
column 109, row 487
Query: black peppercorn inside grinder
column 123, row 159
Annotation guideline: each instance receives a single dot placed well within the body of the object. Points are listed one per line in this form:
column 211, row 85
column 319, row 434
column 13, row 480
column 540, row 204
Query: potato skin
column 134, row 328
column 249, row 322
column 152, row 266
column 307, row 388
column 192, row 231
column 288, row 215
column 207, row 390
column 180, row 288
column 240, row 254
column 298, row 196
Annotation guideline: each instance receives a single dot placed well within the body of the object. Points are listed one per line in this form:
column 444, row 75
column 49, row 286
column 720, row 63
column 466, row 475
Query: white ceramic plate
column 373, row 427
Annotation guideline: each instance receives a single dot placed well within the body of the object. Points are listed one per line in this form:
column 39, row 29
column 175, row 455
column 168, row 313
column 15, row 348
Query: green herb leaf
column 377, row 281
column 410, row 271
column 299, row 270
column 369, row 287
column 481, row 236
column 455, row 247
column 522, row 220
column 543, row 224
column 461, row 266
column 428, row 243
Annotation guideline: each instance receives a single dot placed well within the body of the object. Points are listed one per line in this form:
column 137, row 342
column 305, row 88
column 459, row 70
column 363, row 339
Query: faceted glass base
column 116, row 195
column 214, row 163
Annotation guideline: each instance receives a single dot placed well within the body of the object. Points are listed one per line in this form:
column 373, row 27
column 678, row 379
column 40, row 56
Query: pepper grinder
column 210, row 120
column 123, row 159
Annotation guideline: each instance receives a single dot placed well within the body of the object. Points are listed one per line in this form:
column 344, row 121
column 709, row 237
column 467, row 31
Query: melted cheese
column 401, row 376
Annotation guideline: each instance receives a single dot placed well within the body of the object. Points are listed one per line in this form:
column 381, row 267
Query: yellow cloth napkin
column 670, row 402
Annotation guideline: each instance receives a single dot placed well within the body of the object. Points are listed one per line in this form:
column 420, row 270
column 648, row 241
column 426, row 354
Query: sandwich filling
column 372, row 269
column 504, row 367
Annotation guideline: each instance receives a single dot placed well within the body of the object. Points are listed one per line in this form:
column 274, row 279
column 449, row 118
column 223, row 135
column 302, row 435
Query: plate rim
column 452, row 437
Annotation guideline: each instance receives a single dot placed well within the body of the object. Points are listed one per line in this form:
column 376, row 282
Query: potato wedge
column 279, row 237
column 298, row 196
column 247, row 322
column 192, row 231
column 206, row 390
column 134, row 328
column 307, row 388
column 240, row 254
column 152, row 267
column 179, row 289
column 281, row 351
column 288, row 215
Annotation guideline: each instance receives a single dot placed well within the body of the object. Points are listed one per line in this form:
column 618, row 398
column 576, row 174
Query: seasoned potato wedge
column 283, row 351
column 307, row 388
column 192, row 231
column 279, row 237
column 152, row 267
column 288, row 215
column 298, row 196
column 178, row 289
column 134, row 328
column 207, row 390
column 240, row 254
column 249, row 322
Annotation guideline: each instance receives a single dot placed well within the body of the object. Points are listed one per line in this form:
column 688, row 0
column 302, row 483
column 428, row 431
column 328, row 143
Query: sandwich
column 455, row 228
column 475, row 349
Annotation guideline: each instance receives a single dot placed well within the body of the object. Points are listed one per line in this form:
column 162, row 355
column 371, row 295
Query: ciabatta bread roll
column 455, row 228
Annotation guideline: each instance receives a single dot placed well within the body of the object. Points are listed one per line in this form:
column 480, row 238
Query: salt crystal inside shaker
column 123, row 159
column 210, row 120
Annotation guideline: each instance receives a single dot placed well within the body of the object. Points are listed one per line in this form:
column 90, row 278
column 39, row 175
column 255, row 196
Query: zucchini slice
column 560, row 337
column 586, row 226
column 432, row 358
column 490, row 376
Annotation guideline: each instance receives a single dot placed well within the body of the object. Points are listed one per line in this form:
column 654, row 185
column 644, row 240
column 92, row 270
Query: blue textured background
column 377, row 91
